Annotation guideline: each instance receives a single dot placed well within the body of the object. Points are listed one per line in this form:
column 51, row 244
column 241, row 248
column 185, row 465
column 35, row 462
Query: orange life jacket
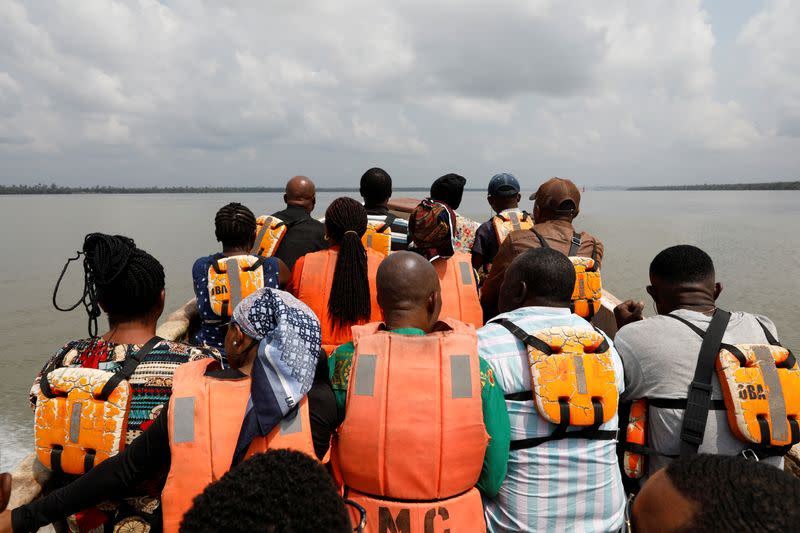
column 634, row 461
column 199, row 404
column 588, row 284
column 315, row 289
column 232, row 279
column 269, row 234
column 460, row 298
column 82, row 414
column 411, row 447
column 505, row 223
column 379, row 235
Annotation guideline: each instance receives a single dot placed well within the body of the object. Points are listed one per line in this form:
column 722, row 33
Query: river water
column 752, row 236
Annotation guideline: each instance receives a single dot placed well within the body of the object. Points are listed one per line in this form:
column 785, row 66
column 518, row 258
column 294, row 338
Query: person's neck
column 384, row 205
column 131, row 332
column 539, row 302
column 694, row 303
column 298, row 206
column 229, row 251
column 405, row 321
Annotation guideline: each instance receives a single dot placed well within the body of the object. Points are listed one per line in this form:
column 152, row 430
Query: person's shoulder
column 757, row 319
column 205, row 261
column 647, row 330
column 188, row 351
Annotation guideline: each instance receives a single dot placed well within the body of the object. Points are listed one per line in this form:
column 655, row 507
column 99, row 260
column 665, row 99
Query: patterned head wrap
column 288, row 351
column 431, row 229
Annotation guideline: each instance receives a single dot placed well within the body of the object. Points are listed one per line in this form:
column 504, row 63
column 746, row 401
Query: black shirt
column 303, row 235
column 148, row 455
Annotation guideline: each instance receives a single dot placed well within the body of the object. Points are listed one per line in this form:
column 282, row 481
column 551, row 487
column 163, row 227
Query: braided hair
column 126, row 280
column 235, row 225
column 733, row 494
column 345, row 224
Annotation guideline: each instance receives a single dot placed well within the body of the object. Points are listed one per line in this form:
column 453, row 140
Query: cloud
column 199, row 92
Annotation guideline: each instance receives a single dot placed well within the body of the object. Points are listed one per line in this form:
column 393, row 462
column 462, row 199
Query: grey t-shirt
column 659, row 355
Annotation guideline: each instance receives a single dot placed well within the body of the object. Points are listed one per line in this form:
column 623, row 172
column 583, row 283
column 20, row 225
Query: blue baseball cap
column 503, row 185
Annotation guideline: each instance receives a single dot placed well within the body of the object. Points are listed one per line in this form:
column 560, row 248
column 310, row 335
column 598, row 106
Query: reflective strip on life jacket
column 231, row 279
column 315, row 289
column 505, row 223
column 459, row 513
column 414, row 426
column 198, row 404
column 460, row 299
column 269, row 234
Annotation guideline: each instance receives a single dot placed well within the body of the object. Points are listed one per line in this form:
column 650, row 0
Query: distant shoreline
column 54, row 189
column 770, row 186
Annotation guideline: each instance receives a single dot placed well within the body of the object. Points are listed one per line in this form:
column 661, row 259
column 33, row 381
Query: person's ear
column 717, row 290
column 162, row 298
column 285, row 198
column 537, row 213
column 519, row 197
column 434, row 307
column 651, row 291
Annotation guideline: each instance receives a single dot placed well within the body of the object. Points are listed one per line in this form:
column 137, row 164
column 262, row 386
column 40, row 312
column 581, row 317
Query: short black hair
column 449, row 189
column 281, row 491
column 235, row 225
column 682, row 263
column 547, row 273
column 735, row 494
column 376, row 186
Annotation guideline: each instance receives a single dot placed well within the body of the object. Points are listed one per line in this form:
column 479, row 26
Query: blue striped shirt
column 568, row 484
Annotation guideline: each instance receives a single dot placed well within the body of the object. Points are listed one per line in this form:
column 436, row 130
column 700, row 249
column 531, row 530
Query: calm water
column 752, row 237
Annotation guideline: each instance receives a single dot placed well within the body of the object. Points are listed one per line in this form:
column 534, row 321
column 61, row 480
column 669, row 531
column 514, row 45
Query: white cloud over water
column 193, row 92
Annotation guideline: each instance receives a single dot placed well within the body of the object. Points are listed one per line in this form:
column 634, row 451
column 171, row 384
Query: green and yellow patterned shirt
column 495, row 416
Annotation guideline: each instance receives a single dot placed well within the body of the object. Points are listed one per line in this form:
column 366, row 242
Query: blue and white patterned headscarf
column 289, row 347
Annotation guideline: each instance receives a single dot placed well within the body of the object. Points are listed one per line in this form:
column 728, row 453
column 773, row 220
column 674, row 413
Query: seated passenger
column 710, row 493
column 661, row 356
column 304, row 234
column 216, row 417
column 504, row 199
column 294, row 494
column 412, row 446
column 431, row 234
column 338, row 284
column 449, row 189
column 128, row 284
column 235, row 228
column 561, row 476
column 556, row 204
column 376, row 189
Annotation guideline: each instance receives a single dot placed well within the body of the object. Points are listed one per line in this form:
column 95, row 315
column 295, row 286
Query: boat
column 30, row 476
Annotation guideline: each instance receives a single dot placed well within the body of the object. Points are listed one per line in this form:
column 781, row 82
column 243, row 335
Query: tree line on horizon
column 767, row 186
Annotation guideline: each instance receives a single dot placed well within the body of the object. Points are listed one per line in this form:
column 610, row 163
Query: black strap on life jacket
column 387, row 223
column 575, row 243
column 590, row 432
column 698, row 400
column 542, row 241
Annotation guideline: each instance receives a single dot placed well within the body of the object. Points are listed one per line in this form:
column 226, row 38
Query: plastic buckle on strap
column 576, row 241
column 750, row 455
column 696, row 412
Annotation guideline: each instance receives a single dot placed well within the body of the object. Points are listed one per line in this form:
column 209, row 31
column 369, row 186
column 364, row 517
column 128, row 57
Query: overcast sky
column 249, row 93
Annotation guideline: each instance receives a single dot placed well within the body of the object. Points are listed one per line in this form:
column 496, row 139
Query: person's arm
column 495, row 417
column 322, row 411
column 480, row 244
column 634, row 377
column 297, row 275
column 599, row 252
column 284, row 274
column 147, row 455
column 339, row 364
column 490, row 292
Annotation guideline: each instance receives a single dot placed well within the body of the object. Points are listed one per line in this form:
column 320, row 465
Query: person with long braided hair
column 127, row 284
column 235, row 228
column 338, row 284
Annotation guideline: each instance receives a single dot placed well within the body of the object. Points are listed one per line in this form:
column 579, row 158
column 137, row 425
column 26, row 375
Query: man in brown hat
column 555, row 205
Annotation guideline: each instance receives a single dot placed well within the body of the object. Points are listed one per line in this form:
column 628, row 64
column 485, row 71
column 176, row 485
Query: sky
column 187, row 92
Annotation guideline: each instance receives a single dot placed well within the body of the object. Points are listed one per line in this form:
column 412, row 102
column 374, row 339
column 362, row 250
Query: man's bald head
column 408, row 291
column 301, row 192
